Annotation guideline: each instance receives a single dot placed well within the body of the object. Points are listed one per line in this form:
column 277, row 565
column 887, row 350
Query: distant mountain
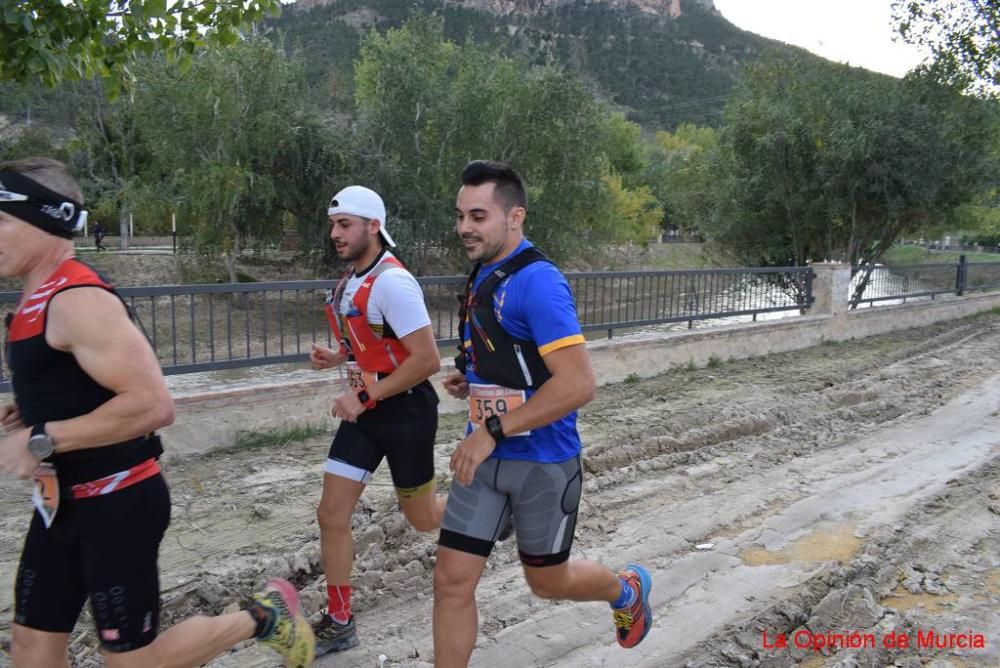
column 529, row 7
column 663, row 61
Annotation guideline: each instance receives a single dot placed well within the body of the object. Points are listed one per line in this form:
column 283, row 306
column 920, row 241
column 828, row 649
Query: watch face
column 494, row 427
column 41, row 446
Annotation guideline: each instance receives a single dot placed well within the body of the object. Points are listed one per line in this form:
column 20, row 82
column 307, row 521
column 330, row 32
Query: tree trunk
column 234, row 254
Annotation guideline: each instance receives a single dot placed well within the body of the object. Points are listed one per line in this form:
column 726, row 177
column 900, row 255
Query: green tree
column 109, row 151
column 963, row 35
column 626, row 148
column 635, row 213
column 52, row 40
column 427, row 105
column 234, row 147
column 32, row 140
column 681, row 175
column 827, row 162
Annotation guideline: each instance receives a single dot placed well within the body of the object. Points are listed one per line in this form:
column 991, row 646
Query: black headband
column 33, row 203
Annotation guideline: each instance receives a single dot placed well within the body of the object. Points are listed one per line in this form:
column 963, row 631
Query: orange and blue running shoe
column 633, row 622
column 290, row 634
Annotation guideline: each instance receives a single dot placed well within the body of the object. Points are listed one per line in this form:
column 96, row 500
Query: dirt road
column 839, row 494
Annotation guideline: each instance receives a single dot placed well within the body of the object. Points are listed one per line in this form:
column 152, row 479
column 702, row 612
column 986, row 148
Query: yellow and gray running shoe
column 290, row 635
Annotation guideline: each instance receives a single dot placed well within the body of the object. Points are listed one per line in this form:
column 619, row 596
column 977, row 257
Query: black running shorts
column 102, row 548
column 542, row 499
column 359, row 447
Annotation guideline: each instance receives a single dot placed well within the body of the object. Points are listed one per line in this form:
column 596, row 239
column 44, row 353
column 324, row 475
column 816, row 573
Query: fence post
column 810, row 279
column 832, row 296
column 831, row 288
column 960, row 276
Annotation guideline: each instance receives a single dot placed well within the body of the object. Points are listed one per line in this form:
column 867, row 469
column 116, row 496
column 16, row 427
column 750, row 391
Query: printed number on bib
column 46, row 494
column 358, row 379
column 488, row 400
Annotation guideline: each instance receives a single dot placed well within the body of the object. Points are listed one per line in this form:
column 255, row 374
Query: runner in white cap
column 378, row 315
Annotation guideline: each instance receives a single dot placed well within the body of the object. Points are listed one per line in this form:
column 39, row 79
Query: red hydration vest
column 373, row 353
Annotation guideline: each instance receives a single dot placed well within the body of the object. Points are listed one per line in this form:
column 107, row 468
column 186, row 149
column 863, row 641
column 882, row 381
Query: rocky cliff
column 672, row 8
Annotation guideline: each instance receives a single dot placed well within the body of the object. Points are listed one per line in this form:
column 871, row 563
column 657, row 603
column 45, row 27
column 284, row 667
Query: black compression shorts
column 103, row 548
column 359, row 447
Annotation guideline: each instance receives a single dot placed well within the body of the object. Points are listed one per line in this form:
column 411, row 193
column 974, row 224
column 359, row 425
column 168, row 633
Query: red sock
column 340, row 602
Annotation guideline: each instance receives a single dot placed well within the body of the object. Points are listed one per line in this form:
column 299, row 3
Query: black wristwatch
column 40, row 445
column 366, row 400
column 494, row 427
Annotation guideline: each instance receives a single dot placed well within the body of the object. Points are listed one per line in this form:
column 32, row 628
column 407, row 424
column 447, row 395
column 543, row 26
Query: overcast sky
column 858, row 32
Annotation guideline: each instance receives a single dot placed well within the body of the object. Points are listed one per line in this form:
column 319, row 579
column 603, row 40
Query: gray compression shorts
column 542, row 499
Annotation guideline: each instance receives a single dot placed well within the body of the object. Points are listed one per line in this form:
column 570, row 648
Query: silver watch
column 40, row 445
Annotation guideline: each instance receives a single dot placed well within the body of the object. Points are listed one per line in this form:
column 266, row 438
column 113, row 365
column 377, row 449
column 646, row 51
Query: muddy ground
column 849, row 487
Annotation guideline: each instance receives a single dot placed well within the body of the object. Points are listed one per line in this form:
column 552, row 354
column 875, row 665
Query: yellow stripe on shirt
column 564, row 342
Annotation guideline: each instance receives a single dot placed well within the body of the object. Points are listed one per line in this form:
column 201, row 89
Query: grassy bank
column 916, row 255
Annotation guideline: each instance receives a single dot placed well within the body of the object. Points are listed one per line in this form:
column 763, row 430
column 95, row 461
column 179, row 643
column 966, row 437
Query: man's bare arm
column 93, row 325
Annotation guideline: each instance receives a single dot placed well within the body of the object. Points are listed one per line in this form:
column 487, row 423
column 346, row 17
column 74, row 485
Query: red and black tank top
column 50, row 385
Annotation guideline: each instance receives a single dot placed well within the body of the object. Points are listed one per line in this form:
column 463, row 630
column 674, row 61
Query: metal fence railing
column 902, row 282
column 620, row 300
column 219, row 326
column 883, row 283
column 980, row 276
column 115, row 242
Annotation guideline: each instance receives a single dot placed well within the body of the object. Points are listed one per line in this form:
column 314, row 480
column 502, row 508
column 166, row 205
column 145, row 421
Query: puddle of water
column 993, row 582
column 958, row 663
column 836, row 544
column 814, row 662
column 903, row 600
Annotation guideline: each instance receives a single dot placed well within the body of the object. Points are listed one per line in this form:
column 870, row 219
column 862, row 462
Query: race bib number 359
column 489, row 400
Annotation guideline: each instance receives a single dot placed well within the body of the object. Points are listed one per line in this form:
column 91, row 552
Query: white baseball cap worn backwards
column 364, row 202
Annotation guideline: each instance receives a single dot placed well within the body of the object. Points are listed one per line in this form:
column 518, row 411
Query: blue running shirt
column 533, row 304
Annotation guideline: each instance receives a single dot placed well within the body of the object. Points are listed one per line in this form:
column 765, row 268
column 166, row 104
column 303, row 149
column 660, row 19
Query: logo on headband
column 8, row 196
column 64, row 211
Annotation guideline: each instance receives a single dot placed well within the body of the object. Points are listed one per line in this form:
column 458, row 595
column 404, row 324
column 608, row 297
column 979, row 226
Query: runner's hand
column 10, row 417
column 456, row 385
column 470, row 453
column 347, row 407
column 321, row 357
column 14, row 456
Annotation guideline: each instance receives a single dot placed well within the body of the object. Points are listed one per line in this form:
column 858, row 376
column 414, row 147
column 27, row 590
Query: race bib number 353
column 489, row 400
column 357, row 379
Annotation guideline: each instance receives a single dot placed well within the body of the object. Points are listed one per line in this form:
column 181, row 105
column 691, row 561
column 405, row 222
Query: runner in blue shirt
column 524, row 368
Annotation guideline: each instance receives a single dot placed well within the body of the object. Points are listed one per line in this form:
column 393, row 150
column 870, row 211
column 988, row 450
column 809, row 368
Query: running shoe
column 633, row 622
column 332, row 636
column 291, row 635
